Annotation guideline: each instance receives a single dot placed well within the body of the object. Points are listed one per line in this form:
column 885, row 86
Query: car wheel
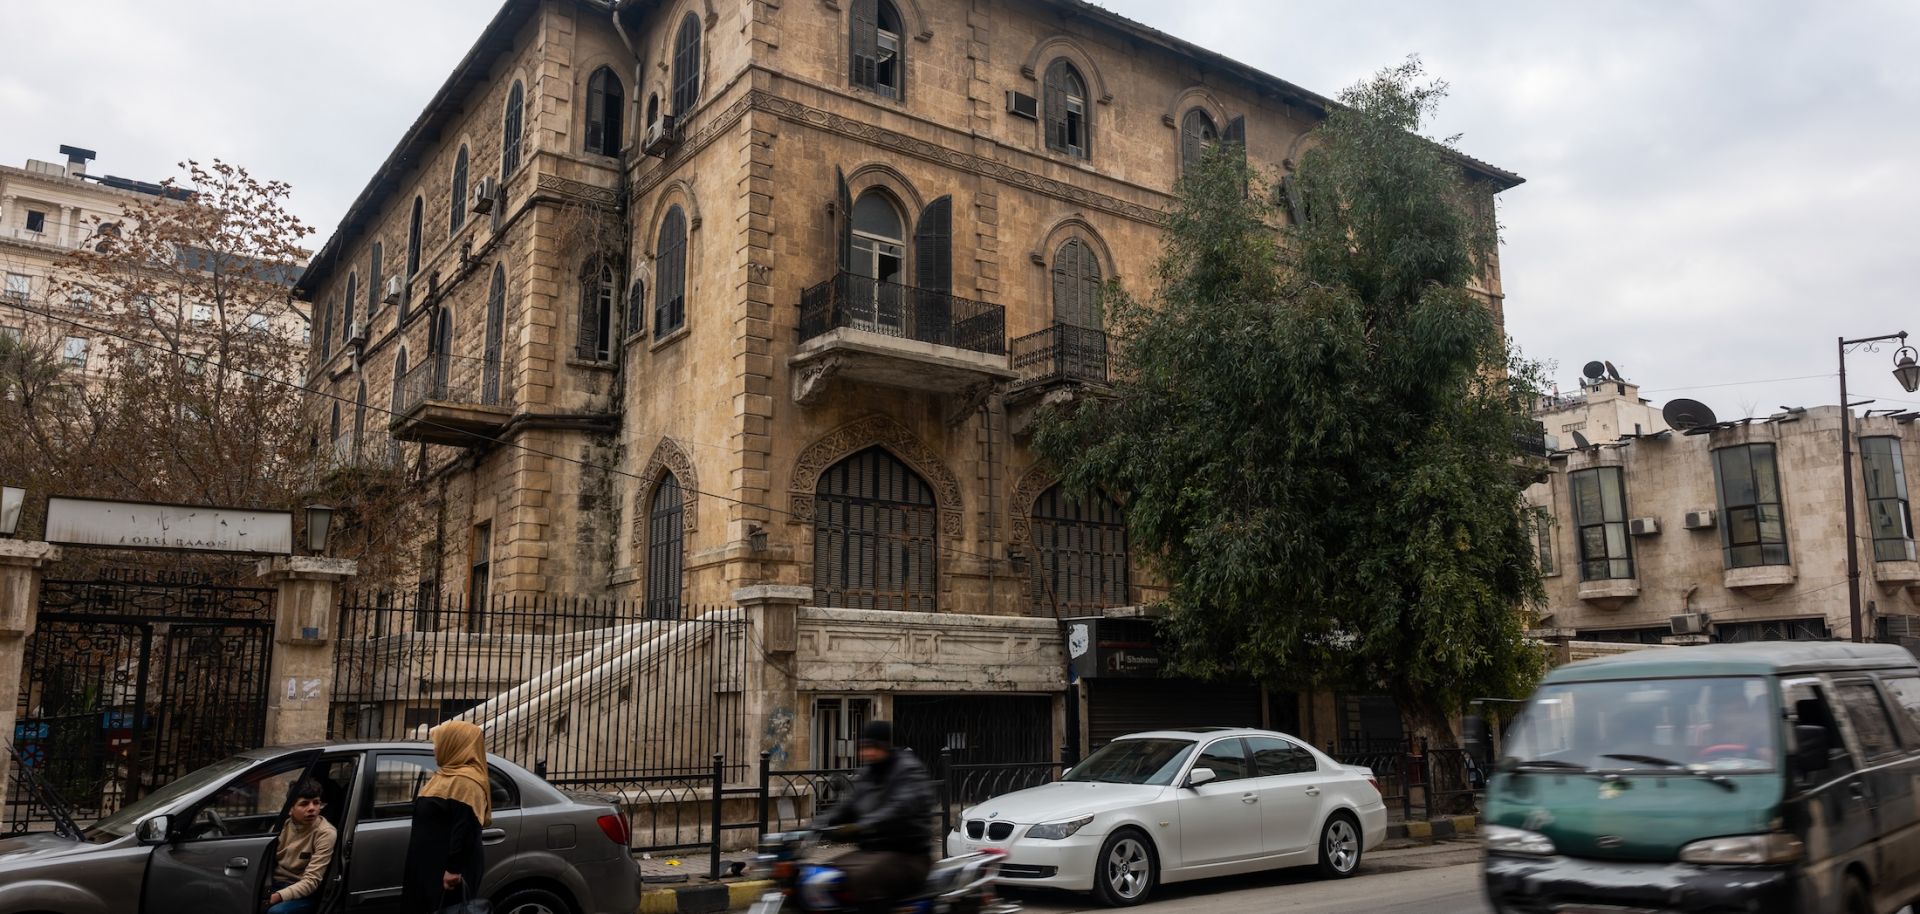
column 1126, row 870
column 1340, row 847
column 532, row 901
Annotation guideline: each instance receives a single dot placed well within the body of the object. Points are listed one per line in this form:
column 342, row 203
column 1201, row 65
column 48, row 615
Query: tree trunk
column 1426, row 717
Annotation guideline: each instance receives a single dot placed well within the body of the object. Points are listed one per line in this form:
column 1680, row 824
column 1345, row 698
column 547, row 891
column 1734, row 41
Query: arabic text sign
column 131, row 525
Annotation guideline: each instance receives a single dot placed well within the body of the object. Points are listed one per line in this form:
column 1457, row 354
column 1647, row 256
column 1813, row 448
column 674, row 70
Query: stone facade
column 1678, row 570
column 1605, row 410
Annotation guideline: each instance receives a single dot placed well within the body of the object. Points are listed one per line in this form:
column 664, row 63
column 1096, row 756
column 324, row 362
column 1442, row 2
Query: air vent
column 1020, row 104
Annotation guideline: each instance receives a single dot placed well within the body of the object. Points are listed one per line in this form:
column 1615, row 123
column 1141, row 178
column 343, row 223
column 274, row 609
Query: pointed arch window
column 606, row 100
column 1069, row 122
column 686, row 66
column 457, row 209
column 879, row 252
column 326, row 330
column 599, row 296
column 413, row 239
column 395, row 405
column 1076, row 285
column 670, row 274
column 666, row 524
column 636, row 320
column 1197, row 135
column 374, row 281
column 510, row 129
column 440, row 350
column 359, row 418
column 496, row 331
column 1081, row 547
column 874, row 530
column 877, row 50
column 346, row 313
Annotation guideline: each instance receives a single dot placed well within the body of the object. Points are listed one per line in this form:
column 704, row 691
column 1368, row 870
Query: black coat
column 893, row 804
column 445, row 839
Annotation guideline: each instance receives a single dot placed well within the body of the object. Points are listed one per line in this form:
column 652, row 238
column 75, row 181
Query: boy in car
column 305, row 850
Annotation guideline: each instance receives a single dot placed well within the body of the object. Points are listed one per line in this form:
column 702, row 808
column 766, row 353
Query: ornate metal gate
column 129, row 683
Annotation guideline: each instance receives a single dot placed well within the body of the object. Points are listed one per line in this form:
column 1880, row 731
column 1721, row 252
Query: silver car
column 205, row 841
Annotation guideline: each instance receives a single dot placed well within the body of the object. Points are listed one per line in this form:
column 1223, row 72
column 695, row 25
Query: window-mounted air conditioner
column 1643, row 526
column 659, row 137
column 483, row 193
column 1020, row 104
column 1701, row 519
column 1688, row 624
column 395, row 288
column 357, row 334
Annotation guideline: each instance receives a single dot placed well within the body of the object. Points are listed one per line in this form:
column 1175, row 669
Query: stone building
column 672, row 300
column 1731, row 532
column 1606, row 409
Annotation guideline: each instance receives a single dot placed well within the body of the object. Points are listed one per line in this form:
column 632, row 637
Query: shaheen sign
column 192, row 528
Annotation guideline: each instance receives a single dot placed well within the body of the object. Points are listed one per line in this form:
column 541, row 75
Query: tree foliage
column 1314, row 428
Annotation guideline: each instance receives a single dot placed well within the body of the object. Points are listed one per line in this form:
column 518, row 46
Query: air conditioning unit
column 1643, row 526
column 659, row 136
column 395, row 288
column 357, row 334
column 484, row 190
column 1701, row 519
column 1020, row 104
column 1688, row 624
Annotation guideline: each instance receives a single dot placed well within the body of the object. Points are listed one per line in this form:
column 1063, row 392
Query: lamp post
column 319, row 519
column 1906, row 370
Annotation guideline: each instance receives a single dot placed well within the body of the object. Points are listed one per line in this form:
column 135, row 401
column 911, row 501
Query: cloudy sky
column 1715, row 190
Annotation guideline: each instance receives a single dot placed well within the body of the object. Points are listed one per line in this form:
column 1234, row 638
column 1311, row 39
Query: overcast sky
column 1715, row 190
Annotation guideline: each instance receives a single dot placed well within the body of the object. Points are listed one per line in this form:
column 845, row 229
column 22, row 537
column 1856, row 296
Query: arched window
column 440, row 349
column 874, row 529
column 326, row 331
column 346, row 313
column 359, row 418
column 1197, row 135
column 636, row 309
column 1081, row 547
column 1076, row 285
column 413, row 240
column 510, row 132
column 606, row 100
column 496, row 330
column 653, row 109
column 1069, row 122
column 670, row 274
column 665, row 526
column 686, row 66
column 599, row 295
column 458, row 207
column 877, row 59
column 879, row 256
column 374, row 282
column 397, row 404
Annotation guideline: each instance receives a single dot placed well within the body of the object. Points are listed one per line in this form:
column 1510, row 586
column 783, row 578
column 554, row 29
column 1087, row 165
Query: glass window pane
column 1736, row 477
column 1773, row 524
column 1743, row 526
column 1227, row 758
column 1586, row 499
column 1616, row 539
column 1611, row 496
column 1766, row 474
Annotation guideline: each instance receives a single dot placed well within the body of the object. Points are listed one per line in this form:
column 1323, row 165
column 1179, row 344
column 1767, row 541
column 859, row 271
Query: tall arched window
column 458, row 205
column 874, row 528
column 606, row 100
column 879, row 256
column 510, row 124
column 1069, row 122
column 636, row 309
column 1076, row 285
column 599, row 295
column 877, row 62
column 326, row 330
column 1197, row 135
column 665, row 527
column 670, row 274
column 413, row 239
column 346, row 313
column 686, row 66
column 1081, row 547
column 359, row 418
column 397, row 404
column 374, row 282
column 496, row 331
column 440, row 349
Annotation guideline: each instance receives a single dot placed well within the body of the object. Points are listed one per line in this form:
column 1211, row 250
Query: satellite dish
column 1580, row 442
column 1614, row 373
column 1593, row 371
column 1685, row 414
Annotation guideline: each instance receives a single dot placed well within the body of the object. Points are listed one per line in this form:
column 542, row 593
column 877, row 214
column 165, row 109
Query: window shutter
column 596, row 111
column 589, row 312
column 1064, row 311
column 458, row 205
column 1236, row 132
column 374, row 289
column 843, row 220
column 636, row 308
column 1296, row 202
column 1055, row 91
column 346, row 321
column 864, row 44
column 670, row 274
column 686, row 66
column 933, row 247
column 1089, row 292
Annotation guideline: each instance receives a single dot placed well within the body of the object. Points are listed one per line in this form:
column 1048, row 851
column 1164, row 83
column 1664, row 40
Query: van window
column 1905, row 692
column 1722, row 724
column 1806, row 704
column 1868, row 714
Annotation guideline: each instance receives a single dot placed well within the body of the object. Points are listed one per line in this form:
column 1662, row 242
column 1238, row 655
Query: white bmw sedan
column 1173, row 805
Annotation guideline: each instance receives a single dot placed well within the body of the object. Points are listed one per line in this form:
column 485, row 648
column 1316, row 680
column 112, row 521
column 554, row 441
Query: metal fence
column 893, row 309
column 1416, row 780
column 1061, row 352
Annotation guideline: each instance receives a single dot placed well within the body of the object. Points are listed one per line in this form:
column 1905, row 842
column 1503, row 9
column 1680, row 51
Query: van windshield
column 1721, row 724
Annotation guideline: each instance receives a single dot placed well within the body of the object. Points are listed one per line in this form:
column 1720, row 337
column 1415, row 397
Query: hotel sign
column 191, row 528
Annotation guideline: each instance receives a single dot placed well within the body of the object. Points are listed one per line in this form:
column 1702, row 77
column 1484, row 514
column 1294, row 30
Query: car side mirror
column 1199, row 776
column 155, row 830
column 1811, row 746
column 1064, row 773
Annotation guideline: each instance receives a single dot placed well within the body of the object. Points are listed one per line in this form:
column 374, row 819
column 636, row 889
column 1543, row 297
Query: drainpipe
column 639, row 68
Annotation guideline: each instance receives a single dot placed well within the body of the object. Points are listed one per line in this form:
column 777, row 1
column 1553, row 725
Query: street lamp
column 319, row 518
column 1906, row 370
column 12, row 499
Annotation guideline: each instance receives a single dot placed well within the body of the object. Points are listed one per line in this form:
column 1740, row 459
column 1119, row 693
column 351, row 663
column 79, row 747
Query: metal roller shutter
column 1117, row 707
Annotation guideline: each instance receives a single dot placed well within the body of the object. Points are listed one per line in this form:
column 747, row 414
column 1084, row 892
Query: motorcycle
column 957, row 885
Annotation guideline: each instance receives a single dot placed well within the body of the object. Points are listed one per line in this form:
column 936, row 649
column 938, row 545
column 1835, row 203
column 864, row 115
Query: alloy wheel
column 1343, row 845
column 1128, row 868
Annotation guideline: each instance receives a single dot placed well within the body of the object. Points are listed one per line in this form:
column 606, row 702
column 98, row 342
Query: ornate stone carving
column 667, row 455
column 1036, row 480
column 860, row 434
column 579, row 191
column 810, row 380
column 690, row 145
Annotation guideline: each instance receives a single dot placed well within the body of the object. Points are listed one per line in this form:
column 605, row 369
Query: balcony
column 865, row 331
column 1055, row 366
column 437, row 410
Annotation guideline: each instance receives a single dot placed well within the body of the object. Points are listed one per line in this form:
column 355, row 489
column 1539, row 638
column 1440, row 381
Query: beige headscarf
column 462, row 756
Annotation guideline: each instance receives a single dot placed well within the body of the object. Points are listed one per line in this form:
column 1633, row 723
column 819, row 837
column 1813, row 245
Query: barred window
column 686, row 66
column 457, row 209
column 510, row 132
column 665, row 527
column 874, row 528
column 670, row 274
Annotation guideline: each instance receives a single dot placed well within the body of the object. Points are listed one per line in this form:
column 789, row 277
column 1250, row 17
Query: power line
column 1809, row 377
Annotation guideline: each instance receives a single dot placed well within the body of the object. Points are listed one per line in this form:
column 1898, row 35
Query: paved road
column 1444, row 879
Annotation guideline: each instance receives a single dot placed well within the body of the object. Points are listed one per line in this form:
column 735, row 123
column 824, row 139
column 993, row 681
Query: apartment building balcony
column 436, row 409
column 865, row 331
column 1055, row 366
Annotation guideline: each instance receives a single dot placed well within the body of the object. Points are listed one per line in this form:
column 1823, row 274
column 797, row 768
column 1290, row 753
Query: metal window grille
column 665, row 528
column 686, row 66
column 510, row 128
column 875, row 523
column 1082, row 551
column 670, row 274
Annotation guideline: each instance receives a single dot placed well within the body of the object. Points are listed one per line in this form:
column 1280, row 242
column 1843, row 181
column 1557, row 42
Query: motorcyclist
column 889, row 815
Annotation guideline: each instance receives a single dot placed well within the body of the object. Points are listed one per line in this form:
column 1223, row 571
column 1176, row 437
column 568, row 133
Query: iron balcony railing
column 1062, row 352
column 859, row 303
column 430, row 381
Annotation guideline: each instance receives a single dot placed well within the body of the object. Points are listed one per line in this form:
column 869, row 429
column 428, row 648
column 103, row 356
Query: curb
column 1433, row 830
column 711, row 898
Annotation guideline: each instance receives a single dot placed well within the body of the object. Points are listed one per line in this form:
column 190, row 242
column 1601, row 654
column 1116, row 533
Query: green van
column 1762, row 777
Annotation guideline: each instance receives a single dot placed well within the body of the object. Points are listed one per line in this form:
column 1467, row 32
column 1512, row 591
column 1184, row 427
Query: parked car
column 1762, row 777
column 205, row 841
column 1173, row 805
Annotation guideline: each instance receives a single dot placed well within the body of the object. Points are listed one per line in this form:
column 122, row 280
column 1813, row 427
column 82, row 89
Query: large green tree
column 1314, row 427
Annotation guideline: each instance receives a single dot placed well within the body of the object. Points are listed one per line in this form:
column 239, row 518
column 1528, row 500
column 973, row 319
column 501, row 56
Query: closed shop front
column 1120, row 670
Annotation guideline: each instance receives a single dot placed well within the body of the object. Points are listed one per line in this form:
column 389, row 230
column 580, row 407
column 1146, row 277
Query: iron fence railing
column 432, row 381
column 1062, row 352
column 889, row 308
column 1414, row 775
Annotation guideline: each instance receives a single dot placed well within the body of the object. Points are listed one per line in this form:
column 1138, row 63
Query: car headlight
column 1054, row 831
column 1504, row 840
column 1745, row 850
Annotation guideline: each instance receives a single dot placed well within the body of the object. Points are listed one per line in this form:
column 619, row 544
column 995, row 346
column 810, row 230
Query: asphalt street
column 1442, row 879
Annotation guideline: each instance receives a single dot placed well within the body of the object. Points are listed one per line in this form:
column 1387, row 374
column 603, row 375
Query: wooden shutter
column 1055, row 91
column 346, row 320
column 1076, row 285
column 864, row 43
column 933, row 247
column 1296, row 201
column 1064, row 311
column 1194, row 128
column 597, row 111
column 510, row 133
column 1089, row 292
column 589, row 312
column 843, row 220
column 670, row 274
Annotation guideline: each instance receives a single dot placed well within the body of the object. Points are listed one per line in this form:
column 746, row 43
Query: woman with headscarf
column 444, row 861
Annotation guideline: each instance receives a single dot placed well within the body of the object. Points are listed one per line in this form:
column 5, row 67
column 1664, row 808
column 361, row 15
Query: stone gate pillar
column 21, row 564
column 772, row 701
column 300, row 682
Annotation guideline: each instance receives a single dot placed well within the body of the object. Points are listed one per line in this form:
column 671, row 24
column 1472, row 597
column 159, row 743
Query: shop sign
column 192, row 528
